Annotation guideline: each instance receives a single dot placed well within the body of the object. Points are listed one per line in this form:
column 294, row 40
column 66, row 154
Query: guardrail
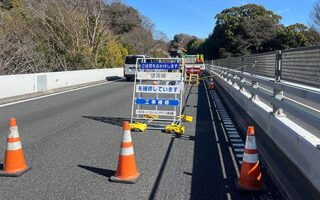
column 268, row 109
column 246, row 81
column 300, row 65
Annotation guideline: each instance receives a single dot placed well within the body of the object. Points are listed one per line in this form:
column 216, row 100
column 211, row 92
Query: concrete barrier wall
column 293, row 140
column 14, row 85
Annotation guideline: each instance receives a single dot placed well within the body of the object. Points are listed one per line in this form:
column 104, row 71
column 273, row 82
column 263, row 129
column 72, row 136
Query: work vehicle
column 129, row 66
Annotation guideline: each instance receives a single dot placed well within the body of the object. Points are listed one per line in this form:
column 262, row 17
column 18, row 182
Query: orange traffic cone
column 211, row 85
column 250, row 176
column 14, row 164
column 126, row 170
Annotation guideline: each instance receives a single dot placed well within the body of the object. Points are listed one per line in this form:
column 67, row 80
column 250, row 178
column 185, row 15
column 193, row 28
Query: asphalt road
column 72, row 141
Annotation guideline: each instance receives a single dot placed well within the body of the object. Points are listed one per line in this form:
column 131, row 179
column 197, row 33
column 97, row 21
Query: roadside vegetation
column 251, row 29
column 59, row 35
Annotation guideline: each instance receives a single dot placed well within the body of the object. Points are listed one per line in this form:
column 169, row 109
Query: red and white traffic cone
column 14, row 163
column 211, row 85
column 250, row 177
column 127, row 170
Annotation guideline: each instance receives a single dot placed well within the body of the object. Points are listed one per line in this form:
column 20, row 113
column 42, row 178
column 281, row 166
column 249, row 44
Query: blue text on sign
column 158, row 89
column 158, row 102
column 169, row 66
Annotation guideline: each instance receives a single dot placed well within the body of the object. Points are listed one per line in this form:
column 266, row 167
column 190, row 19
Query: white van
column 129, row 66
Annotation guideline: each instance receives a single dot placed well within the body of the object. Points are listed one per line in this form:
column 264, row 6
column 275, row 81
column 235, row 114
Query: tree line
column 59, row 35
column 251, row 29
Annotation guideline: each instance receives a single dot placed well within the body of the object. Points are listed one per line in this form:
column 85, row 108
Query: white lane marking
column 234, row 136
column 237, row 145
column 49, row 95
column 236, row 140
column 224, row 174
column 234, row 162
column 233, row 132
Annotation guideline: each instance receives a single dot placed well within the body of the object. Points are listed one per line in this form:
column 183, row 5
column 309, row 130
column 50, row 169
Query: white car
column 129, row 67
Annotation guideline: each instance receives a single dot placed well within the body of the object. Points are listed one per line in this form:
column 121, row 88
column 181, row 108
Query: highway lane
column 72, row 142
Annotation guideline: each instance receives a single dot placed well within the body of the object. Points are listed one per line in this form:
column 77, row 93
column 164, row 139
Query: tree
column 315, row 16
column 292, row 36
column 313, row 34
column 194, row 46
column 255, row 33
column 242, row 30
column 122, row 19
column 180, row 41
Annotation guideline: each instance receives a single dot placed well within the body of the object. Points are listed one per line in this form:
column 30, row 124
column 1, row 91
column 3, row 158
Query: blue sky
column 196, row 17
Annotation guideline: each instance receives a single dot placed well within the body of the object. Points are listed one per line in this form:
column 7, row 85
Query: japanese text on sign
column 155, row 112
column 161, row 102
column 158, row 89
column 170, row 76
column 170, row 66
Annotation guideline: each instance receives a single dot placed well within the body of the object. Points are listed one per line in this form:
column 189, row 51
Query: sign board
column 169, row 66
column 189, row 56
column 163, row 89
column 158, row 90
column 158, row 102
column 156, row 112
column 166, row 76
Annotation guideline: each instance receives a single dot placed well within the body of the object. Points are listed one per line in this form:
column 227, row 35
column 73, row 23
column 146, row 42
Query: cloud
column 282, row 11
column 243, row 3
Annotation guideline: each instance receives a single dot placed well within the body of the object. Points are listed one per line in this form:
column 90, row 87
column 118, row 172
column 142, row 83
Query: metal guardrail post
column 278, row 69
column 242, row 80
column 242, row 68
column 229, row 78
column 254, row 96
column 278, row 112
column 235, row 83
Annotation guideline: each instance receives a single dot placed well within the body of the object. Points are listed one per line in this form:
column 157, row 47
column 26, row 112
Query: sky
column 196, row 17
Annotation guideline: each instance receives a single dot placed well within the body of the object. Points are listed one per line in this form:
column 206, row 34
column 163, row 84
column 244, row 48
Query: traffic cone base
column 14, row 174
column 129, row 181
column 240, row 188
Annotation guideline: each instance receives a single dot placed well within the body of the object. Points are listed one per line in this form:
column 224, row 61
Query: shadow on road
column 164, row 163
column 103, row 172
column 185, row 137
column 112, row 78
column 117, row 121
